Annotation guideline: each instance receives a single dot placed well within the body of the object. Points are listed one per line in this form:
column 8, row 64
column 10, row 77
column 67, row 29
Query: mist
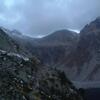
column 41, row 17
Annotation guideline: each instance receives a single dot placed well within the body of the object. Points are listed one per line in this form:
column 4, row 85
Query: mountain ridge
column 69, row 51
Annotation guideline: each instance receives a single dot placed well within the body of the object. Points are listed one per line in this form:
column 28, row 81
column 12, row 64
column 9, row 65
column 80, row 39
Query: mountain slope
column 61, row 37
column 6, row 42
column 21, row 78
column 77, row 54
column 50, row 49
column 9, row 43
column 54, row 47
column 84, row 61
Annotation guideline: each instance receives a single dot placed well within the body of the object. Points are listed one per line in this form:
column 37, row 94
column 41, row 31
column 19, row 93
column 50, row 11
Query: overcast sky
column 40, row 17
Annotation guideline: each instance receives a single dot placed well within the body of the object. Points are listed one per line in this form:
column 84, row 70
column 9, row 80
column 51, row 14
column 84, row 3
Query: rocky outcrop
column 16, row 76
column 9, row 43
column 84, row 61
column 23, row 78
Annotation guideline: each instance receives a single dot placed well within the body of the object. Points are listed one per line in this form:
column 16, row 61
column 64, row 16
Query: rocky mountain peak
column 61, row 34
column 60, row 37
column 93, row 27
column 86, row 56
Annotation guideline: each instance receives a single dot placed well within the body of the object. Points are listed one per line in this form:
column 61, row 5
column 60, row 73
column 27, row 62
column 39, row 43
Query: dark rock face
column 22, row 78
column 8, row 43
column 16, row 75
column 85, row 59
column 50, row 55
column 56, row 82
column 54, row 47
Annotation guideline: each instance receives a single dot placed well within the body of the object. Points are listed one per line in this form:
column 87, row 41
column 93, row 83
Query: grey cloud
column 39, row 17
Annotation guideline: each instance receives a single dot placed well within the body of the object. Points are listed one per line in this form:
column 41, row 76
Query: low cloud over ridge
column 40, row 17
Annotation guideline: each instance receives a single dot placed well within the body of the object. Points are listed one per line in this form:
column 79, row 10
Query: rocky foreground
column 24, row 78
